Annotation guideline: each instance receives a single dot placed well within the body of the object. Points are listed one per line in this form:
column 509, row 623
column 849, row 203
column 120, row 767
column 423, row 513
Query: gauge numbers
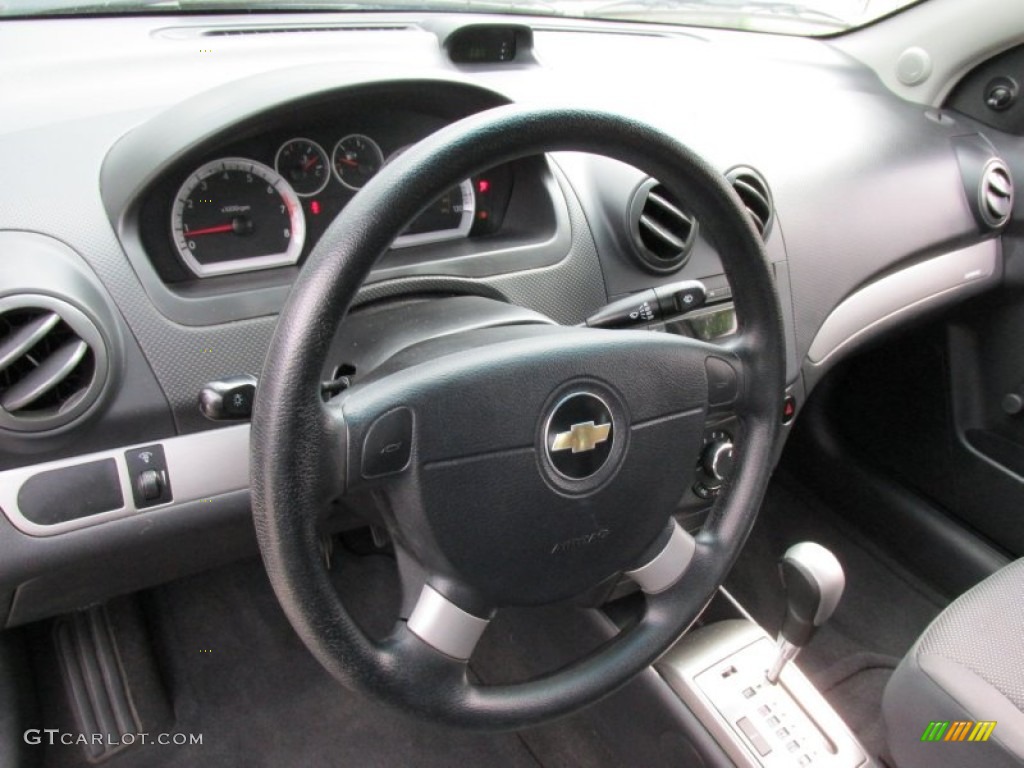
column 305, row 165
column 450, row 217
column 236, row 215
column 356, row 158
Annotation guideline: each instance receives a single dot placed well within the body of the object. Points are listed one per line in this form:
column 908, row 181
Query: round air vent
column 662, row 233
column 756, row 197
column 53, row 363
column 995, row 194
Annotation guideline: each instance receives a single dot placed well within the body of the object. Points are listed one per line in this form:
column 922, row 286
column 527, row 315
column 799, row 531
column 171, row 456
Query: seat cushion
column 967, row 666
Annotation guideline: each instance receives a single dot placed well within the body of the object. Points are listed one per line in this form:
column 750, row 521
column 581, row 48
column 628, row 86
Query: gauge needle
column 347, row 161
column 211, row 230
column 310, row 163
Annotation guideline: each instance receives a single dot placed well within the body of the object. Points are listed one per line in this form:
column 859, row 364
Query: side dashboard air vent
column 53, row 363
column 753, row 191
column 663, row 233
column 995, row 194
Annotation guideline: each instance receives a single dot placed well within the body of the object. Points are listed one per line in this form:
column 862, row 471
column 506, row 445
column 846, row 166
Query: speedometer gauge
column 450, row 217
column 236, row 215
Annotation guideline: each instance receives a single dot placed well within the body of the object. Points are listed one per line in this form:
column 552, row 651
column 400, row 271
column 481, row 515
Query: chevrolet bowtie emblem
column 581, row 437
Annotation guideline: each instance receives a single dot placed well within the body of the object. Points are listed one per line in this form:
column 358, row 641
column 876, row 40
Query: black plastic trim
column 925, row 538
column 68, row 493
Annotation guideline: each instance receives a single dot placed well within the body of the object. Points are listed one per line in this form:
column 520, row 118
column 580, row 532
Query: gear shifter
column 814, row 581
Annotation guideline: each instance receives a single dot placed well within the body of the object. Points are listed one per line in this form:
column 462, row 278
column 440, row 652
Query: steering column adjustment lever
column 814, row 583
column 650, row 306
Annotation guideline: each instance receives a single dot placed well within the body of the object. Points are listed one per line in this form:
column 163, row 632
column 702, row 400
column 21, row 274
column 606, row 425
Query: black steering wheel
column 521, row 465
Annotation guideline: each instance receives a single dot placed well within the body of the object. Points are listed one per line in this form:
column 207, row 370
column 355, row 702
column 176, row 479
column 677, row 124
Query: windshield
column 809, row 17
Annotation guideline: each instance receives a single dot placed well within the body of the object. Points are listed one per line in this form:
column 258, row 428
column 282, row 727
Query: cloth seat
column 967, row 666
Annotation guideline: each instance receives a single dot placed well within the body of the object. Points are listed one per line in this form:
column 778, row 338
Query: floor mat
column 242, row 679
column 883, row 611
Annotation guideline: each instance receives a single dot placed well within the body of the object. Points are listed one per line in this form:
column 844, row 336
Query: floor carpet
column 239, row 676
column 232, row 669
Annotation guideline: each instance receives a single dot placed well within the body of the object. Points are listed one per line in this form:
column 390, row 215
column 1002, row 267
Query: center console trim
column 712, row 645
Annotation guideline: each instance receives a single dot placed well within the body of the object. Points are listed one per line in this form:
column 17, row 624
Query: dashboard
column 174, row 173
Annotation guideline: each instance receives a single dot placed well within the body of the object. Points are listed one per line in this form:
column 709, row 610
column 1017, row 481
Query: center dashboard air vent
column 663, row 234
column 53, row 363
column 756, row 197
column 995, row 194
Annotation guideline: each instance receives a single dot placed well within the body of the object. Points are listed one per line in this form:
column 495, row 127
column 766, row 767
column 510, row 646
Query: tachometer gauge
column 305, row 165
column 356, row 158
column 236, row 215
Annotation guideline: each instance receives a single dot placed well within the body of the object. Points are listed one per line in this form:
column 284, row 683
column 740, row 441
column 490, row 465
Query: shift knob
column 814, row 581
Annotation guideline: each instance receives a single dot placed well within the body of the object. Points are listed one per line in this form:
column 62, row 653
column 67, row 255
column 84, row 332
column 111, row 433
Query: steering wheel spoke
column 444, row 626
column 669, row 565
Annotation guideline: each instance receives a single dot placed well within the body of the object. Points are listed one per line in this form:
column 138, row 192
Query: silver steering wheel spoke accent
column 444, row 626
column 669, row 565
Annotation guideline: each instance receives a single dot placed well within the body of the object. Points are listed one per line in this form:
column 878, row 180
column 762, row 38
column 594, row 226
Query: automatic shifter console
column 762, row 711
column 814, row 583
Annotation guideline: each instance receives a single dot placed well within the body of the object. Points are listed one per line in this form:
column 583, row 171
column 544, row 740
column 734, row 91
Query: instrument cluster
column 263, row 202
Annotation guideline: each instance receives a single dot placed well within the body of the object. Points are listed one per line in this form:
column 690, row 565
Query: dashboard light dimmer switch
column 150, row 481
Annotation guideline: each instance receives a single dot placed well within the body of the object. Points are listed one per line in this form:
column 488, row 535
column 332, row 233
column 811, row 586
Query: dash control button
column 788, row 409
column 723, row 383
column 229, row 398
column 147, row 471
column 388, row 444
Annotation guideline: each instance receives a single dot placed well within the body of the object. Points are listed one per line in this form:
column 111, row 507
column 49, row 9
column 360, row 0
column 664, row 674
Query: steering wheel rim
column 298, row 444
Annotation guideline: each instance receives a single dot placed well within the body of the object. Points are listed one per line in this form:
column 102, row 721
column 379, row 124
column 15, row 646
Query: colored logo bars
column 958, row 730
